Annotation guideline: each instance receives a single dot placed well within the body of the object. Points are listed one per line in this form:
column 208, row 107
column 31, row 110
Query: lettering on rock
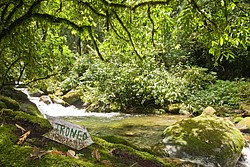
column 69, row 134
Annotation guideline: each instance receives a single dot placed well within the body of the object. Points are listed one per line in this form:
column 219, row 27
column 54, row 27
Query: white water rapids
column 56, row 110
column 59, row 110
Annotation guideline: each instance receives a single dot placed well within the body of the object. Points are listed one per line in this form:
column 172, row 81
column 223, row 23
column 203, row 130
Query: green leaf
column 211, row 51
column 221, row 41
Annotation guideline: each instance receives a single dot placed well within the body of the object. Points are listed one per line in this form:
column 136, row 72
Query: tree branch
column 153, row 25
column 195, row 5
column 21, row 74
column 54, row 19
column 128, row 33
column 134, row 7
column 115, row 31
column 8, row 29
column 116, row 5
column 92, row 9
column 4, row 11
column 95, row 43
column 150, row 3
column 19, row 5
column 42, row 78
column 4, row 76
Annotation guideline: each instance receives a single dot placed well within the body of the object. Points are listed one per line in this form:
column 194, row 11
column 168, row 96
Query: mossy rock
column 35, row 92
column 119, row 140
column 245, row 107
column 14, row 94
column 174, row 108
column 237, row 119
column 57, row 100
column 9, row 103
column 244, row 125
column 206, row 139
column 38, row 126
column 30, row 108
column 72, row 97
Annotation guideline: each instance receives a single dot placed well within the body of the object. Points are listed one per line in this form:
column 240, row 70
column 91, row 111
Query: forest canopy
column 121, row 43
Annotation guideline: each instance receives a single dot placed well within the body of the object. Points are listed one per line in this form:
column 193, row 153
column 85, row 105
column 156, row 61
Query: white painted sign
column 69, row 134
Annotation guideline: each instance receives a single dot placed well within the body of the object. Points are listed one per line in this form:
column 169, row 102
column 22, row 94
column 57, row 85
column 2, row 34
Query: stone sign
column 69, row 134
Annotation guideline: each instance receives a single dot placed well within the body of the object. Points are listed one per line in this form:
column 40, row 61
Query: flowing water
column 142, row 130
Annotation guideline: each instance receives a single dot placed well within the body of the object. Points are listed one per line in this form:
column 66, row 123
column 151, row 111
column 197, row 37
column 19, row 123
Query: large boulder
column 73, row 98
column 244, row 125
column 207, row 140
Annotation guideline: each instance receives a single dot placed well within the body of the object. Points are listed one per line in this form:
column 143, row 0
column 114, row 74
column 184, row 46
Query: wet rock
column 207, row 140
column 36, row 93
column 73, row 98
column 246, row 108
column 58, row 100
column 244, row 125
column 45, row 99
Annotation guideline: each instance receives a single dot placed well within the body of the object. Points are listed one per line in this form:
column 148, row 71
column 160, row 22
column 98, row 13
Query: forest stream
column 142, row 130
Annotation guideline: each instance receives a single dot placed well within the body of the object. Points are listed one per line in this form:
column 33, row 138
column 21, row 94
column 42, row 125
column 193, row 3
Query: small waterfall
column 56, row 110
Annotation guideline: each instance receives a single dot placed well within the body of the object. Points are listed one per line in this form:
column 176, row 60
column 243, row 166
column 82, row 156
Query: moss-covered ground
column 36, row 150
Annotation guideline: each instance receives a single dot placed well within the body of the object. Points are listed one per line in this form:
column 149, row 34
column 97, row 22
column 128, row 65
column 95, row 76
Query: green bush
column 136, row 84
column 124, row 84
column 221, row 93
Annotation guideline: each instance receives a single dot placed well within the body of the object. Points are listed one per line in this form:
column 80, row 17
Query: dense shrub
column 141, row 84
column 221, row 93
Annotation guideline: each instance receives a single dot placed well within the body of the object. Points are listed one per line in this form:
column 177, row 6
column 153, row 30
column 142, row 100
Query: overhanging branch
column 115, row 5
column 95, row 43
column 54, row 19
column 42, row 78
column 92, row 8
column 137, row 5
column 128, row 33
column 19, row 5
column 195, row 6
column 153, row 25
column 9, row 28
column 150, row 3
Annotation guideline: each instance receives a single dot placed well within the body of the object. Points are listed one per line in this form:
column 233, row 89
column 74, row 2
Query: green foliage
column 136, row 84
column 221, row 93
column 54, row 45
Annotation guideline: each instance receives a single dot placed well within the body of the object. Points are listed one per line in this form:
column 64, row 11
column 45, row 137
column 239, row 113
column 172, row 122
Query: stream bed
column 143, row 131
